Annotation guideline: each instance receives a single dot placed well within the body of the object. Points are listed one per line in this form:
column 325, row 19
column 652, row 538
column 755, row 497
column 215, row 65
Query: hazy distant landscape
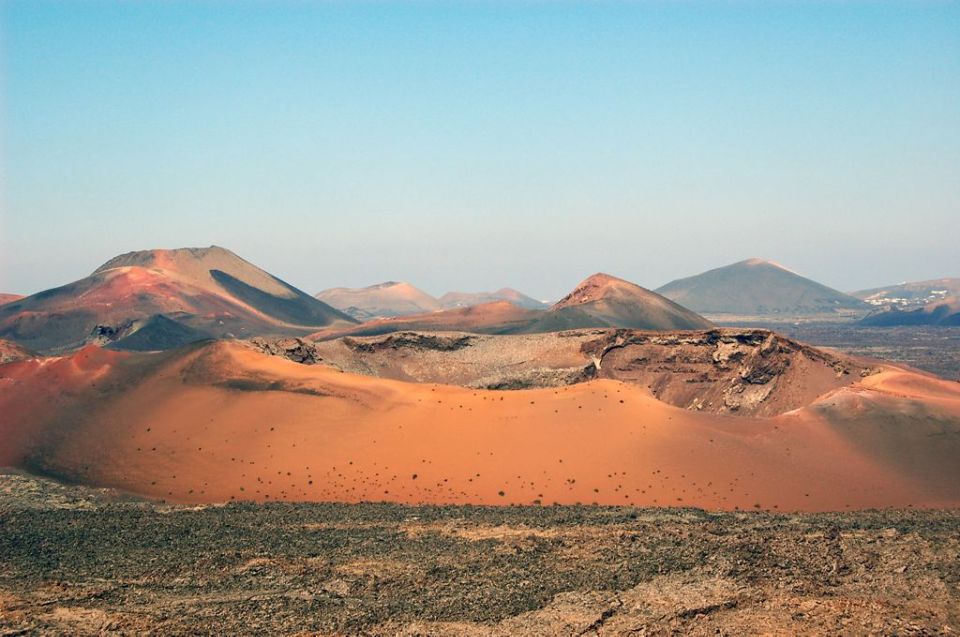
column 188, row 390
column 471, row 318
column 192, row 375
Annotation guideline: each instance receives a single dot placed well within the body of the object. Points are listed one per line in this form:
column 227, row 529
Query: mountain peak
column 763, row 263
column 160, row 257
column 593, row 288
column 601, row 278
column 757, row 287
column 388, row 284
column 603, row 300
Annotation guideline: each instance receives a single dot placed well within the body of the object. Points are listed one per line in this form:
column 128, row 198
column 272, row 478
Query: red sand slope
column 220, row 421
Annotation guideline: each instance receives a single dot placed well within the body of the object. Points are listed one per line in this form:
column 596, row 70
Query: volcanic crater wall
column 752, row 372
column 749, row 372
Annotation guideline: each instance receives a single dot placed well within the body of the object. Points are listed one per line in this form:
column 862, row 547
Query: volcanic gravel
column 80, row 561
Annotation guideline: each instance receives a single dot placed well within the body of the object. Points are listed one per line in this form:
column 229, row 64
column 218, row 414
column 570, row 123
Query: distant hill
column 199, row 292
column 9, row 298
column 396, row 299
column 757, row 288
column 944, row 312
column 599, row 301
column 467, row 299
column 913, row 294
column 499, row 317
column 383, row 300
column 606, row 301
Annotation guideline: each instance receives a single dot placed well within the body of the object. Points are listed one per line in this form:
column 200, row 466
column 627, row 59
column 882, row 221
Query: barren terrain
column 935, row 349
column 222, row 421
column 80, row 561
column 748, row 372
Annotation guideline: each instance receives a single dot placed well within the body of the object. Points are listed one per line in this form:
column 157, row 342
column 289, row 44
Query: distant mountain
column 599, row 301
column 606, row 301
column 467, row 299
column 396, row 299
column 913, row 294
column 198, row 292
column 757, row 288
column 499, row 317
column 383, row 300
column 9, row 298
column 944, row 312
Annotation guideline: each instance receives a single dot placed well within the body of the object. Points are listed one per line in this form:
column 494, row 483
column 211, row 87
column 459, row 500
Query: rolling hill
column 599, row 301
column 756, row 287
column 9, row 298
column 382, row 300
column 164, row 298
column 467, row 299
column 394, row 299
column 602, row 300
column 499, row 317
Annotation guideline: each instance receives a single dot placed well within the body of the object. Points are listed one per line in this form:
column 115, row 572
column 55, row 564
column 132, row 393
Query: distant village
column 911, row 301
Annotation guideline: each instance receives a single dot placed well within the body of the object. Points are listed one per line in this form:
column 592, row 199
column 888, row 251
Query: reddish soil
column 222, row 421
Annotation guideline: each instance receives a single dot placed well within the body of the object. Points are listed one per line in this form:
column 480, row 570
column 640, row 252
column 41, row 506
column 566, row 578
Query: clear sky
column 472, row 146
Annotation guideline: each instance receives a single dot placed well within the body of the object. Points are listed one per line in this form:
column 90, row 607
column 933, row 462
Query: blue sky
column 472, row 146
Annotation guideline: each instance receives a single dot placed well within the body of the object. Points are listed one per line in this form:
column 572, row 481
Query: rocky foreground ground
column 83, row 561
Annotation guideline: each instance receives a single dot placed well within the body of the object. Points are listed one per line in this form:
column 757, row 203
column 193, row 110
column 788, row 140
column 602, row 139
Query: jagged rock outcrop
column 10, row 351
column 412, row 340
column 750, row 371
column 294, row 349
